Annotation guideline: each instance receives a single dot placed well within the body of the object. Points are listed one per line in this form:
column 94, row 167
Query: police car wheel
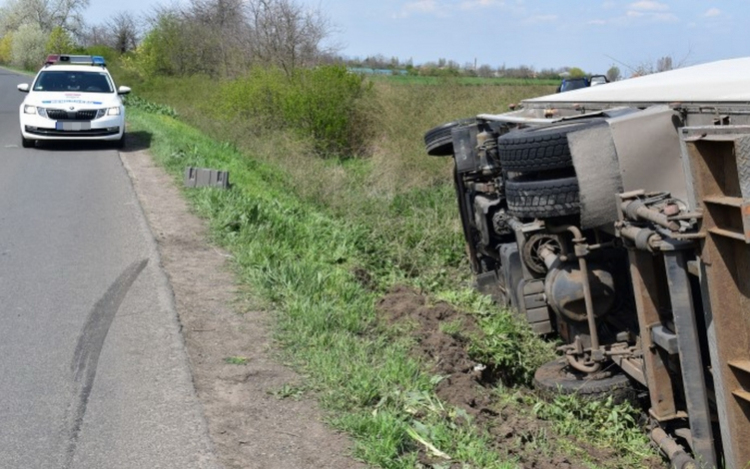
column 27, row 143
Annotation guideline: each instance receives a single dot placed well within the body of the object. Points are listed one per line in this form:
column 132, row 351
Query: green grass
column 300, row 258
column 236, row 360
column 611, row 425
column 464, row 81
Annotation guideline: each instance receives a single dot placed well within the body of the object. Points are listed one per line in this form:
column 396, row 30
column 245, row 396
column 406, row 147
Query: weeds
column 236, row 360
column 134, row 101
column 506, row 344
column 322, row 104
column 606, row 424
column 288, row 391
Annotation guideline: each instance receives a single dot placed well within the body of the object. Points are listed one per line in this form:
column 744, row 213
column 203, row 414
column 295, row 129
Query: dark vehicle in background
column 570, row 84
column 617, row 219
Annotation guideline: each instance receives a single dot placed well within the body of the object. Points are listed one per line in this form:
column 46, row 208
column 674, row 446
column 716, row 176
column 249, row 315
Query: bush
column 164, row 50
column 6, row 48
column 28, row 47
column 323, row 104
column 110, row 55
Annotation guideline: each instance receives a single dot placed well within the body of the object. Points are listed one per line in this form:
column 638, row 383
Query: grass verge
column 304, row 257
column 300, row 258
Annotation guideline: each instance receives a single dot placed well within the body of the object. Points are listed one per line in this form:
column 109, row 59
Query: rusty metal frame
column 649, row 301
column 718, row 162
column 691, row 362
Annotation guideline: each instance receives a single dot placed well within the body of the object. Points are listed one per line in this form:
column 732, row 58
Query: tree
column 285, row 33
column 576, row 72
column 28, row 46
column 6, row 48
column 485, row 71
column 218, row 28
column 97, row 35
column 664, row 64
column 59, row 42
column 123, row 32
column 613, row 74
column 165, row 50
column 45, row 14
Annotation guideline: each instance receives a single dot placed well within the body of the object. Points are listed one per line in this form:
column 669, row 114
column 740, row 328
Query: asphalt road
column 93, row 369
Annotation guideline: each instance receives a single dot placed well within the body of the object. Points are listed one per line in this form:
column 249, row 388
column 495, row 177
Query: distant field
column 468, row 81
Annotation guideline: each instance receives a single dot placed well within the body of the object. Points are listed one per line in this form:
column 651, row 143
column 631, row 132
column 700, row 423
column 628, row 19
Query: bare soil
column 468, row 384
column 250, row 427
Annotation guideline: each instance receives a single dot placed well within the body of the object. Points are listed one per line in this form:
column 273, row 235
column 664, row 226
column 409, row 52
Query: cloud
column 650, row 10
column 474, row 4
column 444, row 9
column 540, row 19
column 642, row 11
column 712, row 13
column 665, row 18
column 648, row 5
column 419, row 6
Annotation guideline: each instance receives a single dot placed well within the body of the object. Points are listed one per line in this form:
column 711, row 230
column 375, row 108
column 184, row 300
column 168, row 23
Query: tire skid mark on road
column 87, row 352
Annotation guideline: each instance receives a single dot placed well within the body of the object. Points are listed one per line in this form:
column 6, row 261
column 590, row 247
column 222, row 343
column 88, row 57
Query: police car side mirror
column 123, row 90
column 23, row 87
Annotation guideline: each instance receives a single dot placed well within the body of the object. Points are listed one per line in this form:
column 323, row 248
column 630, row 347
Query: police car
column 73, row 97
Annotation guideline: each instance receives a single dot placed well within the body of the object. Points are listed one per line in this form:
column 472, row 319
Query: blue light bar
column 98, row 60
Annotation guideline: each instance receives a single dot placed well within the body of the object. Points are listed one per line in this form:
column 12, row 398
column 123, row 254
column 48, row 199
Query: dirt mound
column 463, row 383
column 442, row 335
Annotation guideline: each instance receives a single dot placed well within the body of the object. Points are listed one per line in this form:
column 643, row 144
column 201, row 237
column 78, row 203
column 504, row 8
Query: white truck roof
column 724, row 81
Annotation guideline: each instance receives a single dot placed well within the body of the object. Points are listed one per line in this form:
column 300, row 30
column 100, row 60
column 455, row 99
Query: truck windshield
column 74, row 81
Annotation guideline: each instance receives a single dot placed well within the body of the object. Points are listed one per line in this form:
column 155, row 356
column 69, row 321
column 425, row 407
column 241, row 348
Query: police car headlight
column 27, row 109
column 42, row 112
column 113, row 111
column 100, row 113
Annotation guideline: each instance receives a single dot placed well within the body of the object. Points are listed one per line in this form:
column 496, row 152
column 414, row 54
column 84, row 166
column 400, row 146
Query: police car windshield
column 73, row 81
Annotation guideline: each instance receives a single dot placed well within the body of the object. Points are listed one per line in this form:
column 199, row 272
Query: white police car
column 73, row 97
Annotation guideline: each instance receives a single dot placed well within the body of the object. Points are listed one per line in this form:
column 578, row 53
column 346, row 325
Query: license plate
column 73, row 126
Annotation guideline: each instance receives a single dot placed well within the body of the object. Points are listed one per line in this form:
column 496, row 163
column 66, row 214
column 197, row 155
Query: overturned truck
column 618, row 218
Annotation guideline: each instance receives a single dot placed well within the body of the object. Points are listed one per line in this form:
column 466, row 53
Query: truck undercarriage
column 623, row 228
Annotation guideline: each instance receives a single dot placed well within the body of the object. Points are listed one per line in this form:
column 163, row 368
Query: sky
column 590, row 34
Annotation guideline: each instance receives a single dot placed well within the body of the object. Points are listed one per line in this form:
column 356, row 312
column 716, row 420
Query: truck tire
column 554, row 379
column 542, row 199
column 439, row 140
column 536, row 149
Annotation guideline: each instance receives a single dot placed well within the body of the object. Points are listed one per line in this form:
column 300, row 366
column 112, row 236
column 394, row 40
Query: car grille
column 82, row 115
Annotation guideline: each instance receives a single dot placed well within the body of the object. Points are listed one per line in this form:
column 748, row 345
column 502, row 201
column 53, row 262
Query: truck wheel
column 439, row 140
column 540, row 148
column 555, row 378
column 542, row 199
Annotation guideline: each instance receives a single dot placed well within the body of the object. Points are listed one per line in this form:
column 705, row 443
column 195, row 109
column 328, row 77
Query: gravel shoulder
column 250, row 427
